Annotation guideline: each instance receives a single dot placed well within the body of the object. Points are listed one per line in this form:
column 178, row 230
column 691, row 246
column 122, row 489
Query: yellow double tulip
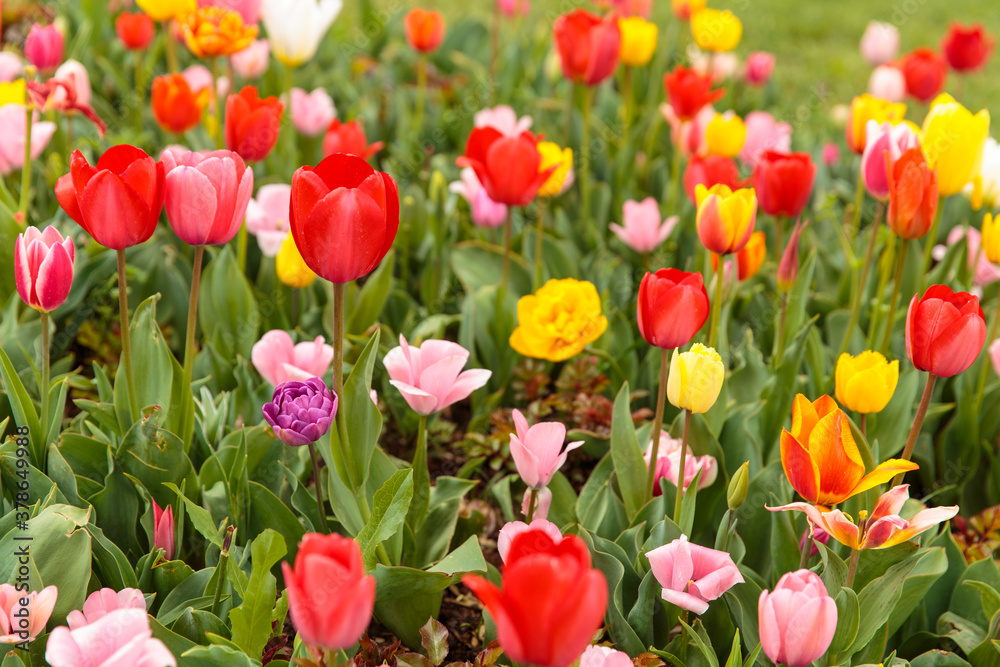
column 953, row 142
column 695, row 378
column 559, row 320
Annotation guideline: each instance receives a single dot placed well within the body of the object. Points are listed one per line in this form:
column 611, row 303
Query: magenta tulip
column 884, row 144
column 122, row 637
column 101, row 603
column 643, row 229
column 797, row 619
column 44, row 47
column 279, row 360
column 692, row 575
column 430, row 377
column 512, row 529
column 538, row 451
column 43, row 267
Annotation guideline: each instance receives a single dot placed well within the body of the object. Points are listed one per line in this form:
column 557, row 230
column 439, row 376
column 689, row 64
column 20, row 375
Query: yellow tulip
column 868, row 107
column 991, row 238
column 165, row 10
column 695, row 378
column 290, row 267
column 953, row 142
column 865, row 383
column 716, row 30
column 725, row 134
column 551, row 156
column 13, row 92
column 558, row 320
column 725, row 218
column 638, row 41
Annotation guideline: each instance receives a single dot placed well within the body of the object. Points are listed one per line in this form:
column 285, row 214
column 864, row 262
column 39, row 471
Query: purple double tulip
column 301, row 412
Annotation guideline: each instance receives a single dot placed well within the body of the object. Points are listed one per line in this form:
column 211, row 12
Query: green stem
column 680, row 472
column 675, row 179
column 505, row 275
column 729, row 529
column 320, row 505
column 189, row 342
column 863, row 424
column 779, row 236
column 918, row 421
column 418, row 117
column 137, row 116
column 133, row 400
column 661, row 397
column 782, row 319
column 929, row 245
column 713, row 327
column 46, row 371
column 891, row 317
column 241, row 247
column 532, row 503
column 221, row 568
column 338, row 338
column 626, row 106
column 539, row 244
column 588, row 100
column 853, row 568
column 862, row 280
column 217, row 134
column 984, row 370
column 859, row 200
column 26, row 167
column 171, row 47
column 885, row 269
column 807, row 548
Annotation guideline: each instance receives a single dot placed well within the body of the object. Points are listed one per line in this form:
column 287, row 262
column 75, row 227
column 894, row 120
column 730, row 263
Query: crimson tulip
column 967, row 48
column 507, row 166
column 552, row 600
column 784, row 182
column 349, row 138
column 673, row 306
column 913, row 195
column 708, row 171
column 924, row 70
column 945, row 331
column 588, row 46
column 688, row 91
column 344, row 216
column 118, row 200
column 252, row 124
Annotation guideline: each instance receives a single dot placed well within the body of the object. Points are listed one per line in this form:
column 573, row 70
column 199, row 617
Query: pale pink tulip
column 72, row 72
column 512, row 529
column 668, row 464
column 692, row 575
column 43, row 47
column 312, row 112
column 101, row 603
column 994, row 351
column 199, row 78
column 604, row 656
column 248, row 9
column 23, row 622
column 538, row 451
column 643, row 231
column 888, row 83
column 831, row 154
column 278, row 360
column 797, row 619
column 430, row 377
column 764, row 133
column 122, row 637
column 10, row 66
column 267, row 217
column 512, row 8
column 485, row 211
column 43, row 267
column 206, row 194
column 252, row 62
column 543, row 501
column 880, row 43
column 885, row 144
column 13, row 122
column 503, row 119
column 759, row 67
column 688, row 135
column 163, row 530
column 720, row 66
column 641, row 8
column 984, row 272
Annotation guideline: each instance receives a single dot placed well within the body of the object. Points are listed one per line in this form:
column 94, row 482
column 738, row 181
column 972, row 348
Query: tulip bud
column 736, row 494
column 788, row 268
column 725, row 134
column 43, row 267
column 638, row 41
column 991, row 238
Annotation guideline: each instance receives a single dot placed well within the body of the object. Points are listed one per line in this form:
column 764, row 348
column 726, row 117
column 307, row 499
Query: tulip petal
column 466, row 383
column 685, row 601
column 120, row 208
column 191, row 204
column 55, row 277
column 800, row 469
column 836, row 457
column 923, row 520
column 419, row 400
column 342, row 235
column 883, row 473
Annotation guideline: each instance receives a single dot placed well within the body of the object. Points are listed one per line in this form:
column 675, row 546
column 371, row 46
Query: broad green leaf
column 23, row 408
column 626, row 453
column 357, row 414
column 251, row 621
column 388, row 513
column 848, row 618
column 877, row 600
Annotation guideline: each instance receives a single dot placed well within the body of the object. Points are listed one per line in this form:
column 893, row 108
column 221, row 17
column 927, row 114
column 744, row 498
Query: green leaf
column 268, row 511
column 153, row 368
column 251, row 621
column 23, row 408
column 214, row 656
column 434, row 639
column 227, row 311
column 388, row 513
column 848, row 619
column 357, row 414
column 990, row 597
column 626, row 453
column 702, row 641
column 200, row 518
column 877, row 600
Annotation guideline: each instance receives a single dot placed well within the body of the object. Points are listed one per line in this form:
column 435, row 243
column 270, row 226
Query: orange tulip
column 913, row 195
column 821, row 460
column 748, row 260
column 214, row 31
column 176, row 108
column 424, row 29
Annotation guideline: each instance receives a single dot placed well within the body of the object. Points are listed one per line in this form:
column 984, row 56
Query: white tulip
column 296, row 27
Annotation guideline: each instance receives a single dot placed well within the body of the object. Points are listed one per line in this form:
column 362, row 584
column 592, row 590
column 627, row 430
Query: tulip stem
column 320, row 505
column 421, row 479
column 863, row 424
column 505, row 275
column 138, row 102
column 532, row 503
column 779, row 237
column 807, row 547
column 918, row 421
column 216, row 117
column 859, row 200
column 680, row 472
column 588, row 101
column 675, row 179
column 26, row 167
column 539, row 244
column 713, row 327
column 852, row 569
column 984, row 370
column 782, row 320
column 44, row 389
column 885, row 263
column 661, row 397
column 133, row 399
column 241, row 247
column 626, row 106
column 221, row 569
column 897, row 282
column 189, row 343
column 418, row 121
column 931, row 237
column 171, row 47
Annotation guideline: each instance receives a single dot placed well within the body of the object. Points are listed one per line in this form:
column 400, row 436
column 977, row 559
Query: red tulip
column 673, row 306
column 424, row 29
column 588, row 46
column 252, row 124
column 967, row 49
column 945, row 331
column 552, row 601
column 507, row 166
column 344, row 216
column 349, row 138
column 924, row 70
column 134, row 30
column 784, row 182
column 330, row 599
column 689, row 91
column 913, row 195
column 708, row 171
column 117, row 201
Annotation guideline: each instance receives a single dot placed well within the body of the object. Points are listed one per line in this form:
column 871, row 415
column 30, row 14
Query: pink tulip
column 797, row 619
column 503, row 119
column 10, row 66
column 538, row 451
column 888, row 83
column 206, row 194
column 252, row 62
column 760, row 65
column 249, row 10
column 267, row 217
column 485, row 211
column 668, row 463
column 44, row 47
column 764, row 133
column 692, row 575
column 641, row 8
column 312, row 112
column 13, row 122
column 430, row 376
column 643, row 231
column 163, row 530
column 278, row 360
column 101, row 603
column 72, row 72
column 512, row 529
column 23, row 615
column 543, row 501
column 818, row 535
column 831, row 154
column 688, row 135
column 880, row 43
column 122, row 637
column 199, row 78
column 43, row 267
column 984, row 272
column 885, row 144
column 604, row 656
column 720, row 66
column 512, row 8
column 994, row 351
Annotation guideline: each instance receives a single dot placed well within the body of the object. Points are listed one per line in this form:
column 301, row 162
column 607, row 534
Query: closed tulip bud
column 725, row 218
column 163, row 530
column 880, row 43
column 206, row 194
column 736, row 493
column 967, row 48
column 695, row 378
column 252, row 124
column 764, row 133
column 887, row 82
column 291, row 269
column 672, row 307
column 43, row 267
column 176, row 107
column 991, row 238
column 424, row 29
column 945, row 331
column 135, row 31
column 797, row 619
column 716, row 30
column 953, row 142
column 924, row 70
column 638, row 41
column 311, row 112
column 252, row 62
column 913, row 196
column 295, row 28
column 865, row 108
column 587, row 45
column 788, row 267
column 725, row 134
column 760, row 65
column 865, row 383
column 784, row 182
